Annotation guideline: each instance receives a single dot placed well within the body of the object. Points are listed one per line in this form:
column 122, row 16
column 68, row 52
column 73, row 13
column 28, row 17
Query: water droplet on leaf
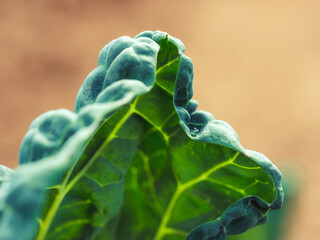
column 194, row 131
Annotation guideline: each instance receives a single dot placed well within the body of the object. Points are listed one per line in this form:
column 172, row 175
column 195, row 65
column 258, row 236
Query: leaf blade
column 189, row 170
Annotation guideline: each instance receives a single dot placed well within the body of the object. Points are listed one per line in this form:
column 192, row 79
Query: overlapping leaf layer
column 136, row 160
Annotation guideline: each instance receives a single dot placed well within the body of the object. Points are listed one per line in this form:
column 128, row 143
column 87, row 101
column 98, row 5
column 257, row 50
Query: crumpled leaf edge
column 249, row 209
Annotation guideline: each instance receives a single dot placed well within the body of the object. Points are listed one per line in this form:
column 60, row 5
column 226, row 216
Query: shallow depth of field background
column 257, row 66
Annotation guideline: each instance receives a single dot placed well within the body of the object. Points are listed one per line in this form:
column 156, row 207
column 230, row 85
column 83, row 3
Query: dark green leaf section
column 167, row 65
column 136, row 160
column 278, row 221
column 177, row 182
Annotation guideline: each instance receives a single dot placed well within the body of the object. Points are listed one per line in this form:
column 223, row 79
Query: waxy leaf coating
column 5, row 174
column 136, row 159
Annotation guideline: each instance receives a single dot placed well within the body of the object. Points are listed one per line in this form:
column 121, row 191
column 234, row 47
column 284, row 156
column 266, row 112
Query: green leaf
column 136, row 160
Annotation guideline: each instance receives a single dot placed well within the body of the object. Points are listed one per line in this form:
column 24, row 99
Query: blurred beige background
column 257, row 66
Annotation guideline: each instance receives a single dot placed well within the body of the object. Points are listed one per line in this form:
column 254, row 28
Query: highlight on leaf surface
column 136, row 159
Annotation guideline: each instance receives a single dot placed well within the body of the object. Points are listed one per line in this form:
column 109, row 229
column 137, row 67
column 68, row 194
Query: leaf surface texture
column 136, row 160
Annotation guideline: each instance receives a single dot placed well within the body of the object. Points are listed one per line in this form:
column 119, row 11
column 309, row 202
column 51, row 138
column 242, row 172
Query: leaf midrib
column 66, row 187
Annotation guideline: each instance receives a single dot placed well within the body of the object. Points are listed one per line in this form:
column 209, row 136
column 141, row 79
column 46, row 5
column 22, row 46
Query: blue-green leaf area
column 68, row 192
column 5, row 174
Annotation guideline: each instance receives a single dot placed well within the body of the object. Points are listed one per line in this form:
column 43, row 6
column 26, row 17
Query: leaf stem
column 45, row 226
